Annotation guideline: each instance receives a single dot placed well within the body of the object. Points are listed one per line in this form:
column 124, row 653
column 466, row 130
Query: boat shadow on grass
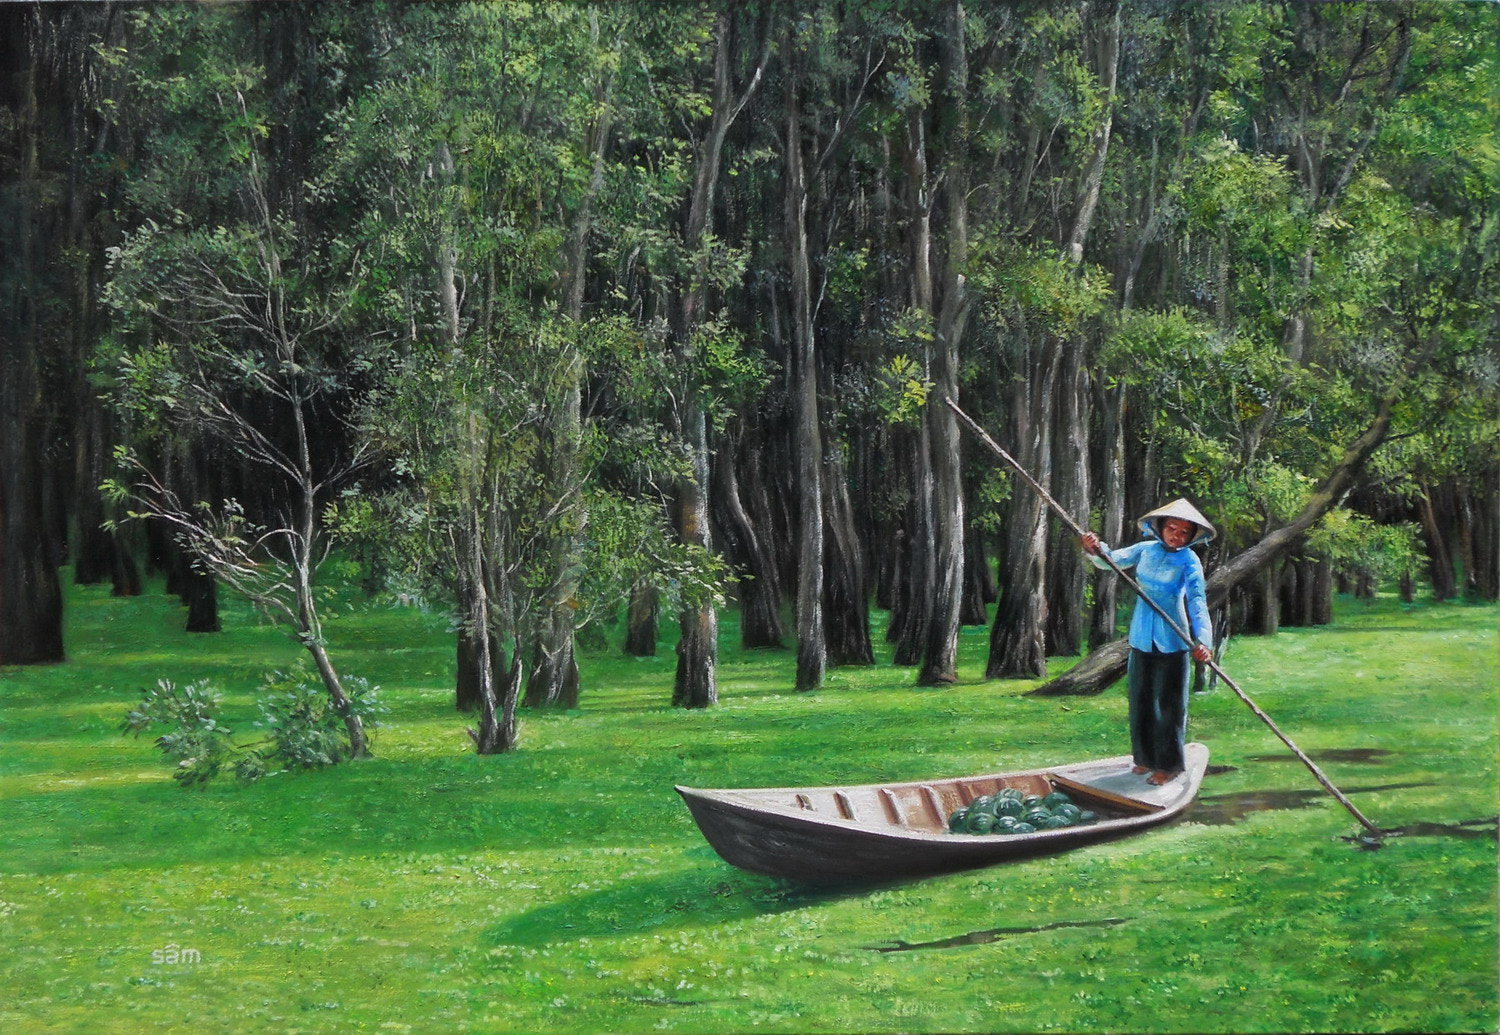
column 643, row 905
column 694, row 896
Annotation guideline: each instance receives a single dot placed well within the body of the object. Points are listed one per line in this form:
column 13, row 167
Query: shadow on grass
column 1464, row 830
column 993, row 934
column 363, row 808
column 1365, row 756
column 707, row 895
column 1226, row 809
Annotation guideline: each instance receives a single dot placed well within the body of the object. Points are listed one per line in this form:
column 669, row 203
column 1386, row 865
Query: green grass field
column 564, row 887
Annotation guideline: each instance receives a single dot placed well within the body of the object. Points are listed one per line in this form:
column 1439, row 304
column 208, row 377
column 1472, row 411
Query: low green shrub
column 303, row 730
column 197, row 743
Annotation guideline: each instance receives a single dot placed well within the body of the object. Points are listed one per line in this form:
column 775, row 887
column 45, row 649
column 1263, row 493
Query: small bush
column 303, row 729
column 196, row 742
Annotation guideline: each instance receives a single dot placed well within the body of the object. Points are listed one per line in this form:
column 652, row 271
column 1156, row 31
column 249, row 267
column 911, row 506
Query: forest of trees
column 548, row 315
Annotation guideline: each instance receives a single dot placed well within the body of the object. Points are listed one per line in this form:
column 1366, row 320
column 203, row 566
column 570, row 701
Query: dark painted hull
column 891, row 831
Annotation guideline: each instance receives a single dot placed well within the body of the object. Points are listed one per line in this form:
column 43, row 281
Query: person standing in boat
column 1171, row 574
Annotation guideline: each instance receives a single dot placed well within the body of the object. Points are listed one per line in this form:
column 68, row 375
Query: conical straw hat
column 1178, row 508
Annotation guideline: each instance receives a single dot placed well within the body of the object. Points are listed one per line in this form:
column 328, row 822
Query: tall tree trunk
column 1407, row 587
column 200, row 593
column 940, row 653
column 695, row 685
column 554, row 681
column 1320, row 611
column 1294, row 593
column 760, row 590
column 1264, row 594
column 979, row 580
column 1066, row 568
column 498, row 688
column 81, row 139
column 1104, row 620
column 1108, row 67
column 641, row 621
column 469, row 690
column 922, row 574
column 1066, row 577
column 1017, row 647
column 1460, row 499
column 1485, row 513
column 303, row 558
column 1439, row 558
column 812, row 647
column 311, row 635
column 846, row 604
column 1287, row 597
column 99, row 553
column 359, row 744
column 31, row 607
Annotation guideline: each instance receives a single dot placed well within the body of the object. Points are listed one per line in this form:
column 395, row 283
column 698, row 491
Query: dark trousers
column 1158, row 708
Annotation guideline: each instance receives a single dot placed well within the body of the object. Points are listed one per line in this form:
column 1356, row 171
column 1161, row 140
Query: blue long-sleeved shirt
column 1172, row 578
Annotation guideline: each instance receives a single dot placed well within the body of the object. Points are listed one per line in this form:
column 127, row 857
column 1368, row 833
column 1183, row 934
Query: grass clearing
column 565, row 887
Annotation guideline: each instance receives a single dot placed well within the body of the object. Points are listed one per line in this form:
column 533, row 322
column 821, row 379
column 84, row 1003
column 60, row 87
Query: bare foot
column 1160, row 777
column 1138, row 769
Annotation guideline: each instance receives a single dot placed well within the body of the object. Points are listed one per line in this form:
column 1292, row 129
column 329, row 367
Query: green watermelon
column 1013, row 793
column 1009, row 807
column 1055, row 799
column 1037, row 817
column 1088, row 816
column 979, row 822
column 957, row 821
column 1068, row 810
column 1023, row 828
column 1004, row 825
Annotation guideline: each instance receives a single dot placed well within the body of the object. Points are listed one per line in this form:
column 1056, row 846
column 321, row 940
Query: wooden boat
column 896, row 830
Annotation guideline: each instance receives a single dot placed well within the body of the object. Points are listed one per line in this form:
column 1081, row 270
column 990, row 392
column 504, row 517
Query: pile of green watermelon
column 1012, row 811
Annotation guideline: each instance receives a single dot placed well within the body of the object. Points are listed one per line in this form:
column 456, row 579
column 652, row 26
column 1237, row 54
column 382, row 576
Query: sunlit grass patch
column 564, row 887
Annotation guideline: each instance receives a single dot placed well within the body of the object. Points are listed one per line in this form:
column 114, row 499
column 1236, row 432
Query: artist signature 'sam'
column 172, row 955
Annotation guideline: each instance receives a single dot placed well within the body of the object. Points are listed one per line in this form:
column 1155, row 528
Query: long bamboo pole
column 1067, row 519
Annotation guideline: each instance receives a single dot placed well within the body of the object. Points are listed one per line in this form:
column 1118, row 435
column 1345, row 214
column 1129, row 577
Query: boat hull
column 893, row 831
